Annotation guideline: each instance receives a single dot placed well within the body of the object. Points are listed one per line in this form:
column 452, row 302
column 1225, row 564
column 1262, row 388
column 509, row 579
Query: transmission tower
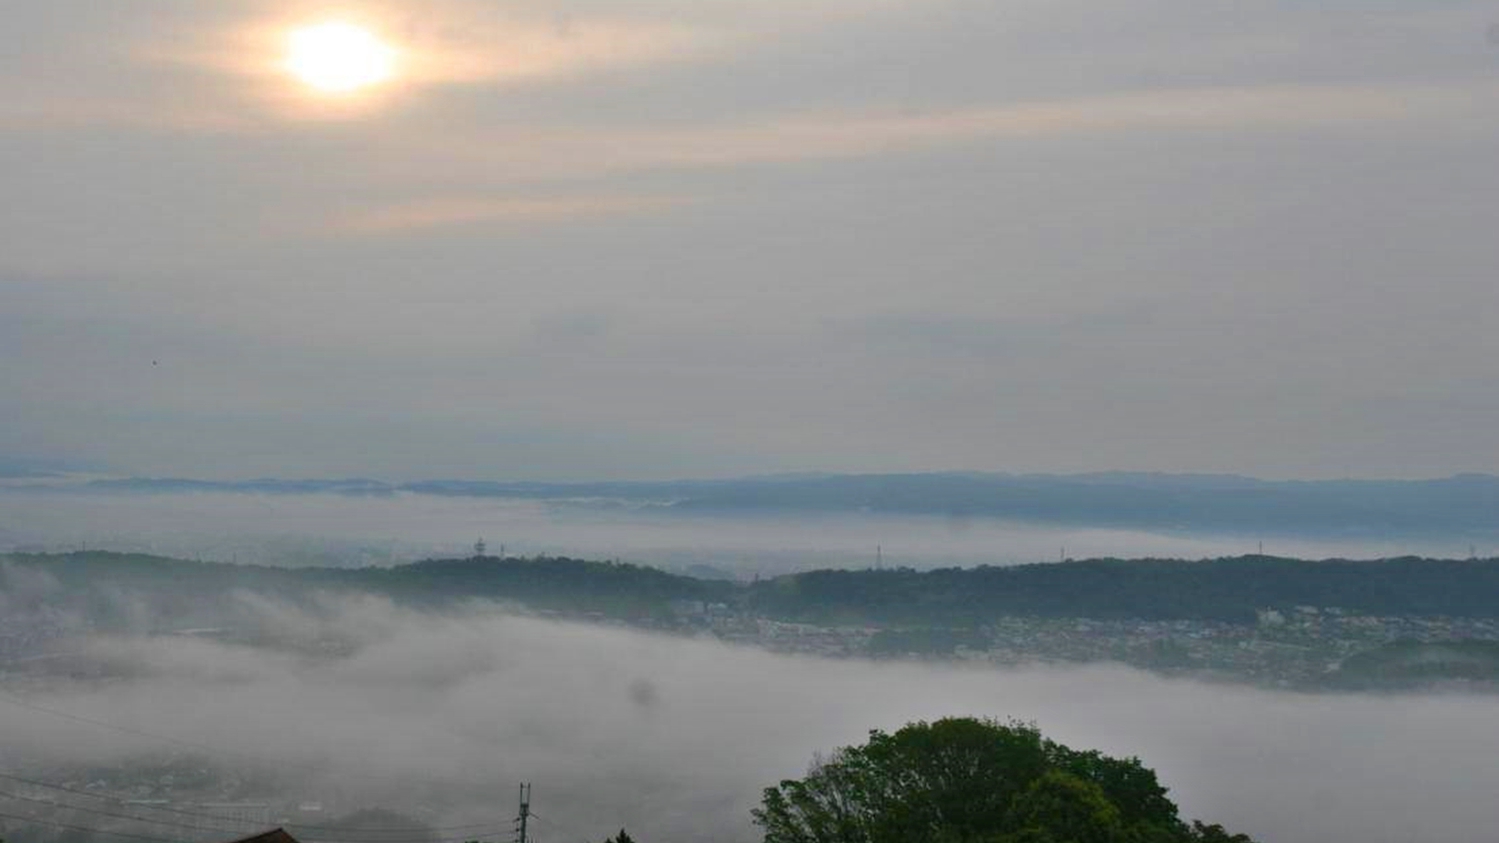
column 525, row 813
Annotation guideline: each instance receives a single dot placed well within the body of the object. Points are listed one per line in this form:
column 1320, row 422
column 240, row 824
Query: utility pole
column 525, row 813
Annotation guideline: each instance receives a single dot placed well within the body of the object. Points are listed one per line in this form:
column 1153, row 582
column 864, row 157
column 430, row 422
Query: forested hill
column 189, row 593
column 1222, row 589
column 1154, row 589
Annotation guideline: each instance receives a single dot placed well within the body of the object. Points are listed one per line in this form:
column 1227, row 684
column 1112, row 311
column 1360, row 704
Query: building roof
column 275, row 835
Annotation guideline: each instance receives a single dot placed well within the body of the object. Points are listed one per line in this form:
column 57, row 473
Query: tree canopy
column 969, row 780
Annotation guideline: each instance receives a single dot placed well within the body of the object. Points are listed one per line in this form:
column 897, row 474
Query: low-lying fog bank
column 365, row 704
column 295, row 529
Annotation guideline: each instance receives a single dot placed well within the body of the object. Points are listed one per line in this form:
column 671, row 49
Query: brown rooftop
column 275, row 835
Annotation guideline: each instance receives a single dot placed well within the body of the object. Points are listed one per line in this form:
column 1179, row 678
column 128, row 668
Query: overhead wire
column 17, row 701
column 366, row 834
column 148, row 839
column 199, row 831
column 118, row 800
column 13, row 700
column 64, row 805
column 380, row 834
column 201, row 747
column 86, row 829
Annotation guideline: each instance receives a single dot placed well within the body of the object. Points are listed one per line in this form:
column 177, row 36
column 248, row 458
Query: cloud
column 675, row 737
column 792, row 138
column 434, row 213
column 51, row 114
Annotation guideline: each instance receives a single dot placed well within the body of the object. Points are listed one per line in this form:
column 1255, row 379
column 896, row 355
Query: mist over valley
column 353, row 702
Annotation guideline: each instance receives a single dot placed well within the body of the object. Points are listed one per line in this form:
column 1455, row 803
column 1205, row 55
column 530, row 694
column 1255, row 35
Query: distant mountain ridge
column 1466, row 504
column 1226, row 589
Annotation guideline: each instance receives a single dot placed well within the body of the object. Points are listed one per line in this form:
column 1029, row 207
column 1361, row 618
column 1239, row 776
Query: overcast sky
column 644, row 238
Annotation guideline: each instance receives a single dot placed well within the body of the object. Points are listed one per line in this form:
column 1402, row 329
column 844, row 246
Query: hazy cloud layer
column 674, row 738
column 334, row 530
column 658, row 238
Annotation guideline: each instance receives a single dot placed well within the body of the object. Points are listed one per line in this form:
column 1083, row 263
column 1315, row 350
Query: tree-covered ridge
column 551, row 582
column 191, row 592
column 968, row 780
column 1229, row 590
column 1155, row 589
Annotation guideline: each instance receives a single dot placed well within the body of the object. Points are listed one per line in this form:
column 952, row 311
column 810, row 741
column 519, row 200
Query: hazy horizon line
column 32, row 469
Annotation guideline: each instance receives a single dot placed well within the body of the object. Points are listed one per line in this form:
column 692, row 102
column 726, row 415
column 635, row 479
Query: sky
column 654, row 238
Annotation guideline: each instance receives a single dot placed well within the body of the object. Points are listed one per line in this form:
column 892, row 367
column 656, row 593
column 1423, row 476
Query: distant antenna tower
column 525, row 813
column 479, row 547
column 879, row 557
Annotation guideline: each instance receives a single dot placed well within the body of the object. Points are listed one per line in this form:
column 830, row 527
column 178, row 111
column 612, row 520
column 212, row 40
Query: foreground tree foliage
column 966, row 780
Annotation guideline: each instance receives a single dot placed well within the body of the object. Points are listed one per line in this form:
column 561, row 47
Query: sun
column 338, row 58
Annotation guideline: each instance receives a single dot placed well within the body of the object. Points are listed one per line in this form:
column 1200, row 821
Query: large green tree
column 967, row 780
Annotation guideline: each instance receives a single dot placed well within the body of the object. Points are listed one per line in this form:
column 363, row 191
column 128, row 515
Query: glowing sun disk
column 338, row 57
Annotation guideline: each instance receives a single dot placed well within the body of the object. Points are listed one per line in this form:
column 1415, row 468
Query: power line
column 213, row 750
column 91, row 830
column 85, row 829
column 379, row 839
column 64, row 805
column 4, row 697
column 16, row 701
column 118, row 800
column 412, row 829
column 339, row 831
column 197, row 829
column 320, row 839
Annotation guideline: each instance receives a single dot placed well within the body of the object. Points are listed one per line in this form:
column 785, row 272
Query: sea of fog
column 326, row 529
column 440, row 717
